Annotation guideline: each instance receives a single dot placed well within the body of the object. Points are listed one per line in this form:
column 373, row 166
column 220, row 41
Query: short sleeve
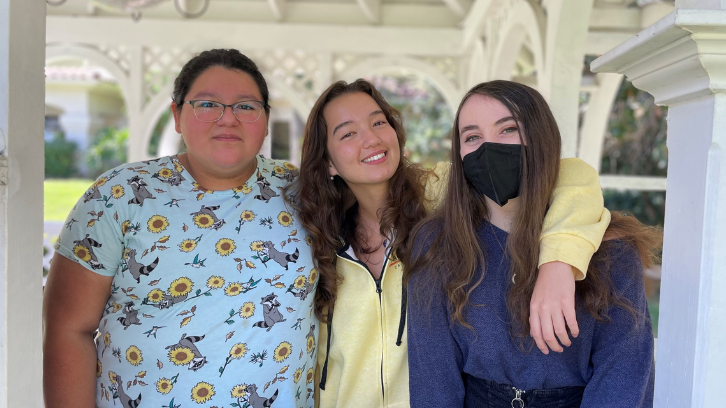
column 92, row 235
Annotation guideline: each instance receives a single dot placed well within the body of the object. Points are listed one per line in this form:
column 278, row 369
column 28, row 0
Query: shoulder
column 282, row 171
column 141, row 169
column 624, row 264
column 424, row 237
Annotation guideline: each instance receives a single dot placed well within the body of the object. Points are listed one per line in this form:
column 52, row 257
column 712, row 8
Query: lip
column 227, row 138
column 381, row 160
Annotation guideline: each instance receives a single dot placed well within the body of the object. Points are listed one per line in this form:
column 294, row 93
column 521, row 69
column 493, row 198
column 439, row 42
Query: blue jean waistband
column 481, row 393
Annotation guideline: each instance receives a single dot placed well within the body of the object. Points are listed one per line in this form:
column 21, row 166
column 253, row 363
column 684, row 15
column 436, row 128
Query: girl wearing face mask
column 475, row 270
column 358, row 198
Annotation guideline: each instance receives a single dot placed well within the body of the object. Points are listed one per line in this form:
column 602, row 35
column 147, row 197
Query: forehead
column 482, row 110
column 221, row 81
column 350, row 106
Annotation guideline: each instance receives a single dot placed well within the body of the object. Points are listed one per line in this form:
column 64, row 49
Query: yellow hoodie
column 366, row 351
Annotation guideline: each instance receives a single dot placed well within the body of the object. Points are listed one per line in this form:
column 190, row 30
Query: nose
column 370, row 137
column 228, row 117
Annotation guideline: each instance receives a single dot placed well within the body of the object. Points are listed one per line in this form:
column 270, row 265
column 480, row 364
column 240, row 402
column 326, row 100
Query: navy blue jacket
column 613, row 360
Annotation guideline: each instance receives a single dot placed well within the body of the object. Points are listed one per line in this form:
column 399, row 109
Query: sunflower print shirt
column 212, row 298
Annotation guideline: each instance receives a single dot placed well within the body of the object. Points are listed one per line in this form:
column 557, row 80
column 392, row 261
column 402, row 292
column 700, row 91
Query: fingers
column 548, row 332
column 558, row 323
column 535, row 330
column 568, row 311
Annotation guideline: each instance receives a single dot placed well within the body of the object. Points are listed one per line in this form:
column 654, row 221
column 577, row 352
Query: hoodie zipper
column 379, row 290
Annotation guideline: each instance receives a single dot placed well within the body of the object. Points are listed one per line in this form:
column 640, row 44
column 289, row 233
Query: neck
column 216, row 180
column 370, row 200
column 502, row 217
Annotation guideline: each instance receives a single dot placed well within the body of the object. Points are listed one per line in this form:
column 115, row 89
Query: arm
column 73, row 303
column 434, row 358
column 572, row 231
column 622, row 349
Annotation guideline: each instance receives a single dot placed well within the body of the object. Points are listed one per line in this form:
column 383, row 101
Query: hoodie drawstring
column 324, row 375
column 402, row 322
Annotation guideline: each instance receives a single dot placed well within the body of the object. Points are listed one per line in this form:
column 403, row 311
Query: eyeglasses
column 211, row 111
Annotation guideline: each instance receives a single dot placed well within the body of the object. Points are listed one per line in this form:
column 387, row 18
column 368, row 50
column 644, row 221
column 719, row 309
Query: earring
column 332, row 177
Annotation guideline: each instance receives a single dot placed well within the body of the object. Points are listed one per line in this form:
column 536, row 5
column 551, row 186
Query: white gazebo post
column 681, row 60
column 22, row 59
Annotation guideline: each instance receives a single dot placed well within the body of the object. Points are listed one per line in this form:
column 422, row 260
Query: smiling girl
column 359, row 199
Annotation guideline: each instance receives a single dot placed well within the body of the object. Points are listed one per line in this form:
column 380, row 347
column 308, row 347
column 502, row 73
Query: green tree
column 107, row 150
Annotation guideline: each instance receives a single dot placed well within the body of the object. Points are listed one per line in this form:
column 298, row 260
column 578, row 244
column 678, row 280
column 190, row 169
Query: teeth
column 374, row 158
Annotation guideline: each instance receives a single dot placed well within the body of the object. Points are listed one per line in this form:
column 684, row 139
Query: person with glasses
column 191, row 268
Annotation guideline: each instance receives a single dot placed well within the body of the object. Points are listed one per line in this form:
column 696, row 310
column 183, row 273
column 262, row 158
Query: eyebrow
column 374, row 113
column 240, row 97
column 499, row 122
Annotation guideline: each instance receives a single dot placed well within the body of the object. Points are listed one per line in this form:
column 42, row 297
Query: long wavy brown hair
column 328, row 209
column 452, row 229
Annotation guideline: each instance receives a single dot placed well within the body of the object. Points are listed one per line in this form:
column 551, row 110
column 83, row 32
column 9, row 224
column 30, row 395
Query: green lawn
column 61, row 195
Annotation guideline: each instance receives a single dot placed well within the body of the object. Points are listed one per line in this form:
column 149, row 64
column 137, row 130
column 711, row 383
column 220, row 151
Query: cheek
column 257, row 129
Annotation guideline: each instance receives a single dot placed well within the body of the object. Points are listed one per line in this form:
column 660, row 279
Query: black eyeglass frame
column 224, row 108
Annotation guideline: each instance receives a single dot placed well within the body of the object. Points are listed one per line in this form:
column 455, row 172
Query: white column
column 681, row 60
column 567, row 27
column 137, row 146
column 22, row 88
column 597, row 117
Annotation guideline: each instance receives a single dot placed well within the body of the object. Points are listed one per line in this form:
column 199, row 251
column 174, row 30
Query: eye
column 347, row 135
column 246, row 106
column 207, row 104
column 471, row 137
column 510, row 129
column 380, row 122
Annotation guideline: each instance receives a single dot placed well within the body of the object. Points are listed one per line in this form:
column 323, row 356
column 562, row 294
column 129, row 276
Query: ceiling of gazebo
column 610, row 15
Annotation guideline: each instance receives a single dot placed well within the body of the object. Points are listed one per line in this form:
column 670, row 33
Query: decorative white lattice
column 161, row 66
column 118, row 54
column 299, row 70
column 343, row 62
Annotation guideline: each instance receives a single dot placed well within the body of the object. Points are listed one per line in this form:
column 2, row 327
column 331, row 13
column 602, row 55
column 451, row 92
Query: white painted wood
column 643, row 183
column 138, row 138
column 279, row 7
column 57, row 51
column 595, row 123
column 22, row 58
column 681, row 60
column 567, row 22
column 523, row 25
column 371, row 9
column 329, row 38
column 451, row 93
column 600, row 42
column 458, row 7
column 170, row 140
column 702, row 4
column 473, row 24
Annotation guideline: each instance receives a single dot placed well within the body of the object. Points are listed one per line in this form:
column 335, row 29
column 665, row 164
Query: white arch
column 58, row 51
column 522, row 22
column 162, row 101
column 451, row 93
column 478, row 70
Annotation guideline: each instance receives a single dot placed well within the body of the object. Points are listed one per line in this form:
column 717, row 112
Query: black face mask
column 495, row 170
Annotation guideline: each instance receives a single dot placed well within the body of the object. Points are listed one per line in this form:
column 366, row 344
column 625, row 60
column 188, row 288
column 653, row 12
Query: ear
column 331, row 169
column 177, row 117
